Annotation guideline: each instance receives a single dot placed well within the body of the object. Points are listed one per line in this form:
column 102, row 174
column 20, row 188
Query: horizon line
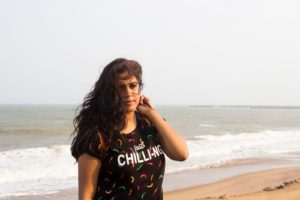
column 191, row 105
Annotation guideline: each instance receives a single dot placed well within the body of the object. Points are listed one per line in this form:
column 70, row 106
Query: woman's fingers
column 147, row 101
column 141, row 100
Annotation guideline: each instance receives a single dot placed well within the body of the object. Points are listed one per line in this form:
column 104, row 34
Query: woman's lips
column 130, row 102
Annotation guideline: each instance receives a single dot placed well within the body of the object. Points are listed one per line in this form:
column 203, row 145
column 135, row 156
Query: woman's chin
column 130, row 109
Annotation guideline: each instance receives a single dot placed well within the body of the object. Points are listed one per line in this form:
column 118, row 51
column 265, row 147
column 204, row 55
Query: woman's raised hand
column 145, row 105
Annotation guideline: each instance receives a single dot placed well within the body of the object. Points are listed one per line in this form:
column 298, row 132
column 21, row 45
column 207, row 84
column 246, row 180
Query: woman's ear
column 141, row 100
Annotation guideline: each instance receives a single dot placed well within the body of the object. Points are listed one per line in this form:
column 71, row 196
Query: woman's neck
column 130, row 116
column 130, row 122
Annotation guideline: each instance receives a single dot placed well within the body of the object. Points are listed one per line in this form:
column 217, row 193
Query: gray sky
column 192, row 52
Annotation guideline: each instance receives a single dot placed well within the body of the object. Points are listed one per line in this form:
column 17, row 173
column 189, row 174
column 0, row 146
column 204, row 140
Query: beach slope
column 274, row 184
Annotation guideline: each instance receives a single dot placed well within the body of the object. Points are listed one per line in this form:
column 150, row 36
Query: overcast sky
column 218, row 52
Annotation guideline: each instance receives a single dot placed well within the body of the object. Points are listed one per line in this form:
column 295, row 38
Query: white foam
column 207, row 125
column 213, row 151
column 36, row 170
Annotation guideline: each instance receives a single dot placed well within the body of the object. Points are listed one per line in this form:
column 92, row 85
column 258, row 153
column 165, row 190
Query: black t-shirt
column 133, row 168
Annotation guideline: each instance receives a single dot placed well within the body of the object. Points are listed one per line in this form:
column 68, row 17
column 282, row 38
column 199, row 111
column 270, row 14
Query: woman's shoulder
column 96, row 145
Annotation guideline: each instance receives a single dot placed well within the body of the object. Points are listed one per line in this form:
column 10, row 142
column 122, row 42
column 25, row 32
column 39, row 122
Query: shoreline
column 235, row 187
column 230, row 169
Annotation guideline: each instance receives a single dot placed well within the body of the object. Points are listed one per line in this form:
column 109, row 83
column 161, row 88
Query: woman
column 120, row 138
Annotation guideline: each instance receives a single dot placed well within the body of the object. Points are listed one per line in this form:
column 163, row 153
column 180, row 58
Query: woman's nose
column 128, row 91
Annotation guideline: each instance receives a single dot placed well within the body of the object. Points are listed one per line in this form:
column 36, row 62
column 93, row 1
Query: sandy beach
column 281, row 184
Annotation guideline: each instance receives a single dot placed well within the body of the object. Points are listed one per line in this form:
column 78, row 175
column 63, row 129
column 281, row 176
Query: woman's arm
column 172, row 142
column 88, row 171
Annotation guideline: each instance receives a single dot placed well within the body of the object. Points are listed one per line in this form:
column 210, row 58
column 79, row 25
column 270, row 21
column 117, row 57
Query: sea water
column 35, row 141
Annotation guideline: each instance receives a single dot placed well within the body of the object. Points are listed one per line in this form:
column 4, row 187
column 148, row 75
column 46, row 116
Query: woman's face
column 129, row 90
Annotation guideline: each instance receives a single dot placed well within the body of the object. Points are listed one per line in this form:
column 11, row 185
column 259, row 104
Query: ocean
column 35, row 141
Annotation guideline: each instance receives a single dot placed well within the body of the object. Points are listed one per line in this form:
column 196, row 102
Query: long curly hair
column 101, row 110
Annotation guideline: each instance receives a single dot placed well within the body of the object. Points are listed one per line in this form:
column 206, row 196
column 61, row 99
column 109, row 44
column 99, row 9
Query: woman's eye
column 132, row 86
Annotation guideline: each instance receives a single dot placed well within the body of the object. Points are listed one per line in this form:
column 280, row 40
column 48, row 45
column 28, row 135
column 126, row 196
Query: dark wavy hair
column 101, row 110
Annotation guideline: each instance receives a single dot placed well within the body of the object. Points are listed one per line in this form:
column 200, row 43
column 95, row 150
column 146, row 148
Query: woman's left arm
column 172, row 142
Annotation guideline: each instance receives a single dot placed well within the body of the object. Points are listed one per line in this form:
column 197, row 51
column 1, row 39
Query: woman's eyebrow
column 129, row 83
column 123, row 84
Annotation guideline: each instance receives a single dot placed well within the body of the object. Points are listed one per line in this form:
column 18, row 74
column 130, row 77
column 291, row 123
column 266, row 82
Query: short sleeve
column 95, row 147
